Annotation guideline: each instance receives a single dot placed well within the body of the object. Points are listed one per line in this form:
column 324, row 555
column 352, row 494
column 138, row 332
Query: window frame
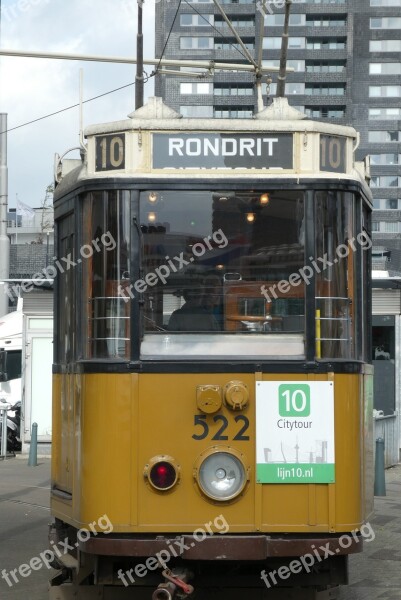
column 197, row 46
column 385, row 23
column 384, row 137
column 385, row 91
column 197, row 20
column 385, row 114
column 71, row 203
column 383, row 45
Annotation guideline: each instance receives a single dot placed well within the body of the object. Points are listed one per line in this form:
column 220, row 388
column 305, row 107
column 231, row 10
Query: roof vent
column 155, row 109
column 280, row 110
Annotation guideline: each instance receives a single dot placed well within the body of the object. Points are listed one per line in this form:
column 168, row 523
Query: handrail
column 334, row 319
column 332, row 298
column 107, row 298
column 104, row 318
column 91, row 339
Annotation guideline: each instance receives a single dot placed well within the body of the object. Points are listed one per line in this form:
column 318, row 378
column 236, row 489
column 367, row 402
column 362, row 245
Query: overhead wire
column 217, row 30
column 167, row 40
column 210, row 25
column 57, row 112
column 152, row 74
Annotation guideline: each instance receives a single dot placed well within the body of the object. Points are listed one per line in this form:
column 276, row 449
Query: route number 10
column 332, row 154
column 294, row 400
column 110, row 152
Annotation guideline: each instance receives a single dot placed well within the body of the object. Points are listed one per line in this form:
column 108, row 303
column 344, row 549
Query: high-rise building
column 347, row 60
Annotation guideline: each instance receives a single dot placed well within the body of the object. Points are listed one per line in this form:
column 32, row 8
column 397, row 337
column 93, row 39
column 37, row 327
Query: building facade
column 347, row 60
column 37, row 227
column 32, row 247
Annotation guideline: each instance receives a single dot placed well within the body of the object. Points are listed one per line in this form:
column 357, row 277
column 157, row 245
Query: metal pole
column 33, row 447
column 3, row 420
column 4, row 240
column 81, row 109
column 206, row 64
column 380, row 480
column 47, row 249
column 283, row 56
column 139, row 60
column 259, row 92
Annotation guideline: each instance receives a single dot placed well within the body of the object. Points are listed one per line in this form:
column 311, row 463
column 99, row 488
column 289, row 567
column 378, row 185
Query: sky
column 31, row 88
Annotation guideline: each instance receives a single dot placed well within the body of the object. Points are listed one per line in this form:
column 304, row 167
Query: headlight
column 221, row 475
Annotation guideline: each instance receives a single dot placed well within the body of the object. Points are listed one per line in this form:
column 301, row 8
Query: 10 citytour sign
column 295, row 432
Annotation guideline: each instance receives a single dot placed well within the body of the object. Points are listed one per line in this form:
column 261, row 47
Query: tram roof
column 183, row 149
column 279, row 117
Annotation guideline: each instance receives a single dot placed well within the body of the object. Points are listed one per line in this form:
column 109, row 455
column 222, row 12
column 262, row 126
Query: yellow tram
column 212, row 379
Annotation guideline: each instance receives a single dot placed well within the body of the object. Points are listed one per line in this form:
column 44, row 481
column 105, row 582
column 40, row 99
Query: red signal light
column 162, row 475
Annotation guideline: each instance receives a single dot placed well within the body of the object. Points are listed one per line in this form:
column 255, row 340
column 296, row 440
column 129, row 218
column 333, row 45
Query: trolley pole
column 283, row 56
column 139, row 59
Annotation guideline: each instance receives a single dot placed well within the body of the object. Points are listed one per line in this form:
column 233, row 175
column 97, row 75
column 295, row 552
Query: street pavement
column 375, row 574
column 24, row 515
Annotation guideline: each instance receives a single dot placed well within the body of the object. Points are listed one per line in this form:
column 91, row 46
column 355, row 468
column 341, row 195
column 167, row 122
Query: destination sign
column 222, row 151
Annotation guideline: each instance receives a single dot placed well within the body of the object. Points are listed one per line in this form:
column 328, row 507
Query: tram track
column 25, row 503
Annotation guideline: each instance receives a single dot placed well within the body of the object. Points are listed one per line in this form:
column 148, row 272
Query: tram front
column 213, row 335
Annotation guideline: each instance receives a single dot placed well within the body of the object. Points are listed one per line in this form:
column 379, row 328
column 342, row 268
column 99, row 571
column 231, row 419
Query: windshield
column 215, row 274
column 212, row 263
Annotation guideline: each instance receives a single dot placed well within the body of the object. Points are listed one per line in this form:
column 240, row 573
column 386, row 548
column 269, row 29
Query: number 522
column 201, row 422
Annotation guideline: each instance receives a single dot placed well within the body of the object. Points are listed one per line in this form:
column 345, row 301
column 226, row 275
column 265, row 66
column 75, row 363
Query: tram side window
column 65, row 347
column 335, row 283
column 365, row 288
column 106, row 274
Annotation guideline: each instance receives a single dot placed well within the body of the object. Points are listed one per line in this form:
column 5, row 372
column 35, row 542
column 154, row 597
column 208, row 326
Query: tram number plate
column 110, row 152
column 203, row 429
column 332, row 154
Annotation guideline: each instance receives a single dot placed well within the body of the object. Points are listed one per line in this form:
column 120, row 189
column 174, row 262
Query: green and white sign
column 295, row 432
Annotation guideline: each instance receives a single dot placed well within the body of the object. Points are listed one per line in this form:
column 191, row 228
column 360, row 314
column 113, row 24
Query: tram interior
column 232, row 244
column 221, row 248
